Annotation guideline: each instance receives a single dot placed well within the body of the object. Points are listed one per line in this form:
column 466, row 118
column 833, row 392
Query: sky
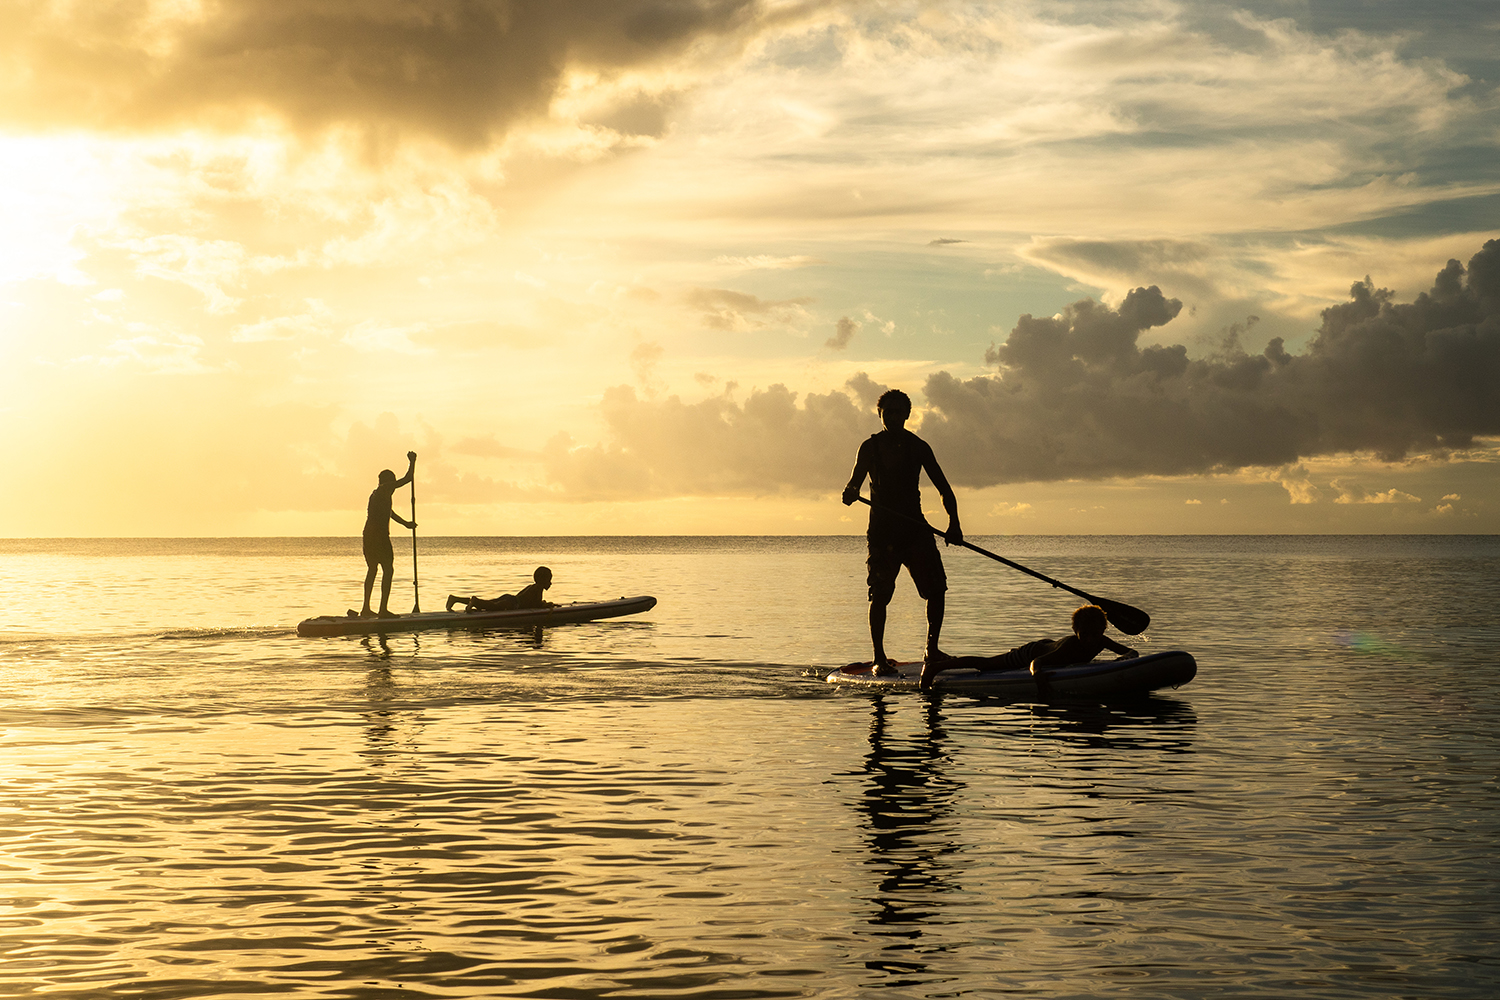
column 643, row 266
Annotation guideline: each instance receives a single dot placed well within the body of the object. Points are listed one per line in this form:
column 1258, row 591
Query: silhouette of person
column 898, row 534
column 529, row 597
column 377, row 535
column 1082, row 646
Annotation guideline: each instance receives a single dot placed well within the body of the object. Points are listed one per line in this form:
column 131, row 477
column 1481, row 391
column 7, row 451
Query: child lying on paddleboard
column 1082, row 646
column 529, row 597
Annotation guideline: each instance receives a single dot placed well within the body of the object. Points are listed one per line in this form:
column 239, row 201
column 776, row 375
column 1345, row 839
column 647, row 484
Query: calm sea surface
column 194, row 802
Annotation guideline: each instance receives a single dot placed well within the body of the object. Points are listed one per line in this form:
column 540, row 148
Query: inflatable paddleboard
column 562, row 614
column 1094, row 681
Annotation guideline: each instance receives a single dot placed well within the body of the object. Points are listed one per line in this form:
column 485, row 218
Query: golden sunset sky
column 641, row 266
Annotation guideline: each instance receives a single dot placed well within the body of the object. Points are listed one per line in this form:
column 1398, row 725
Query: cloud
column 1297, row 481
column 866, row 390
column 1076, row 397
column 460, row 70
column 486, row 446
column 479, row 335
column 768, row 262
column 1352, row 492
column 316, row 321
column 644, row 358
column 769, row 444
column 943, row 242
column 843, row 333
column 206, row 266
column 150, row 351
column 375, row 337
column 724, row 309
column 1189, row 266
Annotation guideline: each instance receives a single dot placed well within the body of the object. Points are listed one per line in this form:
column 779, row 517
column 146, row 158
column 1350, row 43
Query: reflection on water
column 196, row 803
column 906, row 804
column 1164, row 723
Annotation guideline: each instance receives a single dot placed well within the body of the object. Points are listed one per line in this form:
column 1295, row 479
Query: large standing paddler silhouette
column 898, row 535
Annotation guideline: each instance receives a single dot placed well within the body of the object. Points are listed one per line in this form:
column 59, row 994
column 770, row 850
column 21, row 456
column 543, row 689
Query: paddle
column 416, row 594
column 1131, row 621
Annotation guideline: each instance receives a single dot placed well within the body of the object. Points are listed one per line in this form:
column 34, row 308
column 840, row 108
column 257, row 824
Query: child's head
column 1089, row 621
column 543, row 575
column 387, row 477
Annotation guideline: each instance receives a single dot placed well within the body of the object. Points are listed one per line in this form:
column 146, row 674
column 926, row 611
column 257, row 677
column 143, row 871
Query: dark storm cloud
column 1078, row 398
column 458, row 69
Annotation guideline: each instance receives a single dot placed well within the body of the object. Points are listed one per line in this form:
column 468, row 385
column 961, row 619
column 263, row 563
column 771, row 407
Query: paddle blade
column 1131, row 621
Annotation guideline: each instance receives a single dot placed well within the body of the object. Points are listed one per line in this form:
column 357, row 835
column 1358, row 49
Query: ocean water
column 195, row 802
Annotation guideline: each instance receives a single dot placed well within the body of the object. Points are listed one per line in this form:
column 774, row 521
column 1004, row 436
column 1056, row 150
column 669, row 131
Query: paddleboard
column 1094, row 681
column 562, row 614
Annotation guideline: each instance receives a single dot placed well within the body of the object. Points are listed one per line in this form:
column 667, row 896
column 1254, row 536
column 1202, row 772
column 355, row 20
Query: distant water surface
column 197, row 803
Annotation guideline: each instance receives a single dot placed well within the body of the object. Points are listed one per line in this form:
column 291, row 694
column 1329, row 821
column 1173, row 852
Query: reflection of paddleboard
column 1099, row 680
column 562, row 614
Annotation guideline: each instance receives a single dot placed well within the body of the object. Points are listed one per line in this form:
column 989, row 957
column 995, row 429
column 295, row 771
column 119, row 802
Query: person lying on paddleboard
column 529, row 597
column 898, row 535
column 1083, row 645
column 377, row 535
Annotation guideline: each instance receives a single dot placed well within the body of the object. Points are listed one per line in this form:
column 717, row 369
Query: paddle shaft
column 1127, row 619
column 416, row 593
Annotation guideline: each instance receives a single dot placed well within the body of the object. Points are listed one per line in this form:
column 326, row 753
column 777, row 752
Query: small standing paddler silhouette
column 377, row 535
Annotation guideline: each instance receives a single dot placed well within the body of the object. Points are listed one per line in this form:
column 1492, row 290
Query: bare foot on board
column 932, row 665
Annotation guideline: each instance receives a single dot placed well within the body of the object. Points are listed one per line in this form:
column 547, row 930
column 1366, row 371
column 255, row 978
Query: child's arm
column 1125, row 652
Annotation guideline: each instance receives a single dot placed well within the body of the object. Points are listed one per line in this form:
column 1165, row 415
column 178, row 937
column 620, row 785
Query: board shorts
column 1019, row 658
column 917, row 552
column 378, row 551
column 505, row 602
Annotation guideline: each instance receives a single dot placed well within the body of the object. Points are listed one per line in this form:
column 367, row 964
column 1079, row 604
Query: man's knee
column 933, row 593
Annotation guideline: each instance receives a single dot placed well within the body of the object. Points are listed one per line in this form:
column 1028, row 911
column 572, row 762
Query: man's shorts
column 378, row 551
column 917, row 552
